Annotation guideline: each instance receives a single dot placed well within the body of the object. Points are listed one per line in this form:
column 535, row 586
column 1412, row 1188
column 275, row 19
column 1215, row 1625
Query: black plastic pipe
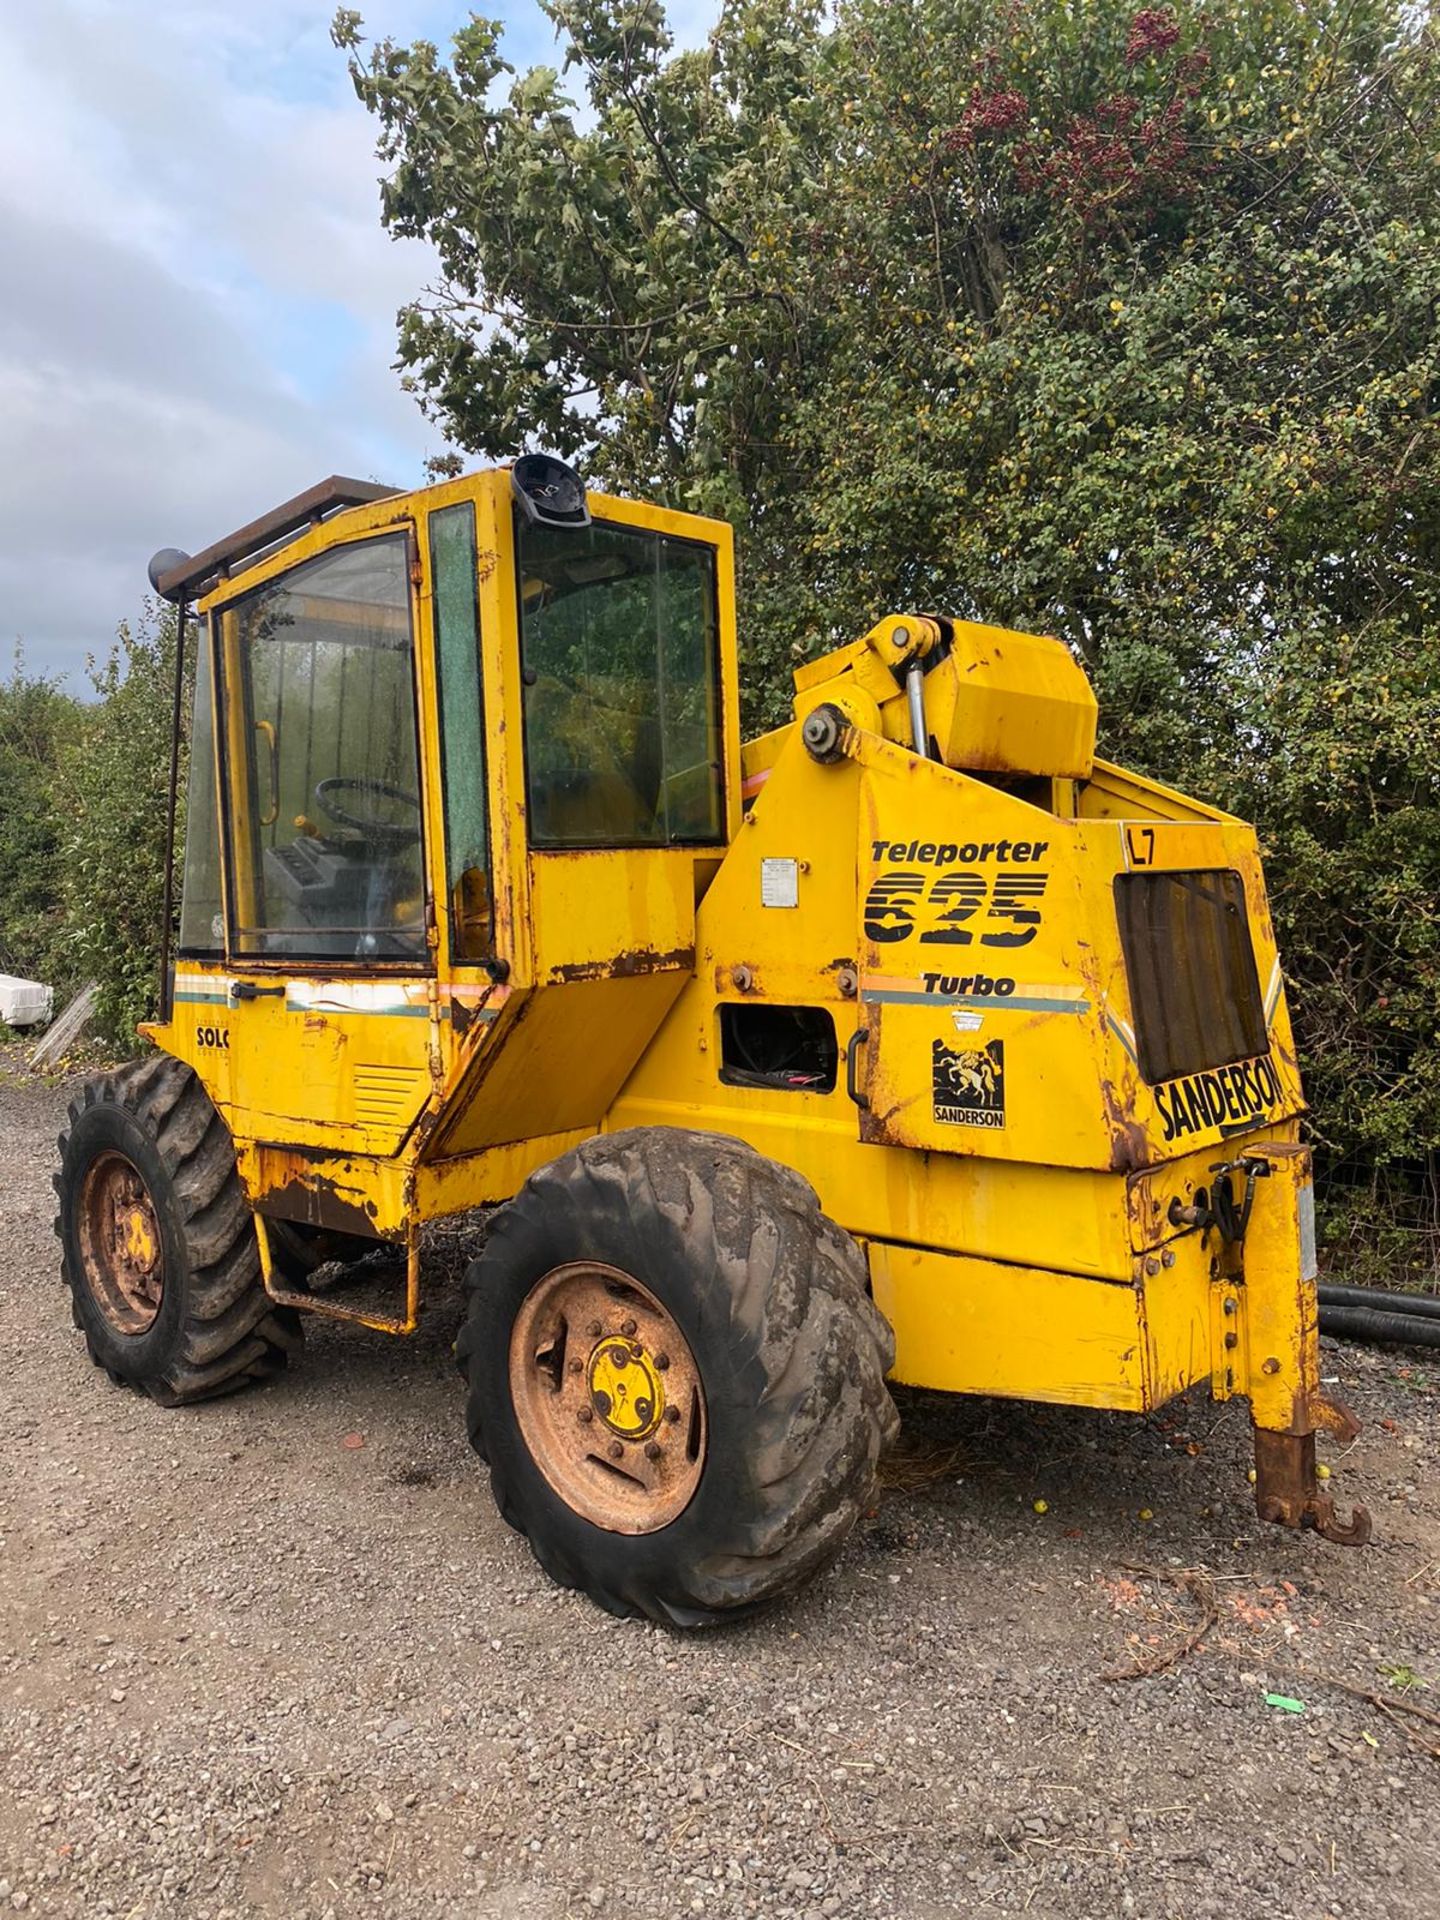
column 1388, row 1321
column 1398, row 1329
column 1425, row 1306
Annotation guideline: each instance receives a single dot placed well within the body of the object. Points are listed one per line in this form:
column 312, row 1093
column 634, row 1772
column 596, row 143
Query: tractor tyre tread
column 792, row 1351
column 226, row 1331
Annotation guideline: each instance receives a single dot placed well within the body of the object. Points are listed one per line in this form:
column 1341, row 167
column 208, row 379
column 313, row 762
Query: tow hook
column 1285, row 1485
column 1287, row 1489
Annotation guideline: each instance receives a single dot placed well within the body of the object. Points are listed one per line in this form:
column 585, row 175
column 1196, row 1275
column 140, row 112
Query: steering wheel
column 386, row 836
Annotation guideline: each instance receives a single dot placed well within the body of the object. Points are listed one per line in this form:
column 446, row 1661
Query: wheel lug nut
column 585, row 1416
column 672, row 1414
column 595, row 1329
column 617, row 1452
column 662, row 1361
column 577, row 1366
column 652, row 1452
column 627, row 1328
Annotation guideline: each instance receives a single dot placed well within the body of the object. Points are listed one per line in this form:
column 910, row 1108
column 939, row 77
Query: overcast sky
column 197, row 301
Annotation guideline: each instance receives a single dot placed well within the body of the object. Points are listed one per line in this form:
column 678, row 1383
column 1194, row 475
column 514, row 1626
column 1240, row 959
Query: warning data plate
column 779, row 883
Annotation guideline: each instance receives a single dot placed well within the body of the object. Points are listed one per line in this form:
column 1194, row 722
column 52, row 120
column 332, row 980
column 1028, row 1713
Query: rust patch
column 319, row 1202
column 1129, row 1142
column 608, row 1398
column 878, row 1130
column 738, row 977
column 977, row 761
column 1129, row 1146
column 1146, row 1214
column 625, row 966
column 486, row 562
column 1287, row 1493
column 121, row 1249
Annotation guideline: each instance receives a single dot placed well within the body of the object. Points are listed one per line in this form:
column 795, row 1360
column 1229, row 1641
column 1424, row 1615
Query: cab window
column 620, row 659
column 325, row 843
column 462, row 728
column 202, row 921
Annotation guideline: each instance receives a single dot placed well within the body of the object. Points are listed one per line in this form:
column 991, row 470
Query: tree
column 111, row 794
column 620, row 289
column 36, row 721
column 1111, row 322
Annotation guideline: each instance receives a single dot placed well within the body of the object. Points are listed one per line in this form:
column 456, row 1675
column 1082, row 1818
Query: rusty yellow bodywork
column 952, row 910
column 364, row 1101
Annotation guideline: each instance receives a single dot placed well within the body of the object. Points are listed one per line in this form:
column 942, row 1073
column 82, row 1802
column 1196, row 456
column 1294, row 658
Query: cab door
column 330, row 1005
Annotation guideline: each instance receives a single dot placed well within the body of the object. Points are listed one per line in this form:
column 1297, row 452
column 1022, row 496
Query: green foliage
column 82, row 827
column 115, row 785
column 1114, row 322
column 37, row 721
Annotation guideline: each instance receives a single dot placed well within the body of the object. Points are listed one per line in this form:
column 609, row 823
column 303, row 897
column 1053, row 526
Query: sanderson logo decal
column 969, row 1086
column 1230, row 1098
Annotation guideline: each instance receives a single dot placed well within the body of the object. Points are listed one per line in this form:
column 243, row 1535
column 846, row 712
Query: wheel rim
column 608, row 1397
column 120, row 1245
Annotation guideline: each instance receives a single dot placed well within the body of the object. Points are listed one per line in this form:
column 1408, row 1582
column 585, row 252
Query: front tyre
column 158, row 1246
column 676, row 1374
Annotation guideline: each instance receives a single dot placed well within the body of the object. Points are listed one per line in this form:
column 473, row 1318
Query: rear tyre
column 675, row 1374
column 157, row 1245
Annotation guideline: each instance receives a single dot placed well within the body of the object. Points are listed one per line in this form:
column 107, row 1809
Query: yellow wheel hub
column 626, row 1390
column 608, row 1397
column 121, row 1255
column 140, row 1243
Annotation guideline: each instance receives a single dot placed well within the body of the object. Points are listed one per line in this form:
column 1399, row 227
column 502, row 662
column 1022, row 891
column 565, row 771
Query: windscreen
column 326, row 837
column 620, row 657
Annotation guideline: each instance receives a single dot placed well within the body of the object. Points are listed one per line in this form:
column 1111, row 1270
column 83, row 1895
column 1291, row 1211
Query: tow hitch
column 1267, row 1254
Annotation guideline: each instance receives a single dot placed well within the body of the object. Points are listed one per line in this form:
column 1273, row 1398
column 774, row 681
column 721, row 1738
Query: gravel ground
column 278, row 1655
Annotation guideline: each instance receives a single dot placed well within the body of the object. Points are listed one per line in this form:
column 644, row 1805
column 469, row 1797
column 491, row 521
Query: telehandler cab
column 909, row 1040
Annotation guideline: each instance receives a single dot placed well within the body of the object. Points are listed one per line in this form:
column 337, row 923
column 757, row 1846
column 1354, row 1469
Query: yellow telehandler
column 909, row 1041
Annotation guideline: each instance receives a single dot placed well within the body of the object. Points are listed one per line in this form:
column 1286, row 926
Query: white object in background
column 24, row 1003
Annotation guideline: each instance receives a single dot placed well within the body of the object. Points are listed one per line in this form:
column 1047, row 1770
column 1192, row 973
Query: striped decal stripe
column 409, row 1001
column 1272, row 994
column 391, row 1009
column 897, row 997
column 1124, row 1035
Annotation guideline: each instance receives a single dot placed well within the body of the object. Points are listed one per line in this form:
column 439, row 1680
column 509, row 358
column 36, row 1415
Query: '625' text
column 955, row 909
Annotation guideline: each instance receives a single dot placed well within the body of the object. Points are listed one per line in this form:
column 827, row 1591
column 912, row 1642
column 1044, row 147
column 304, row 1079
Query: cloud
column 197, row 312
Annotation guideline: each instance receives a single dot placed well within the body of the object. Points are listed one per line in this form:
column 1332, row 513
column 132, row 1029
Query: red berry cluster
column 1113, row 161
column 1116, row 110
column 1124, row 158
column 996, row 112
column 1153, row 30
